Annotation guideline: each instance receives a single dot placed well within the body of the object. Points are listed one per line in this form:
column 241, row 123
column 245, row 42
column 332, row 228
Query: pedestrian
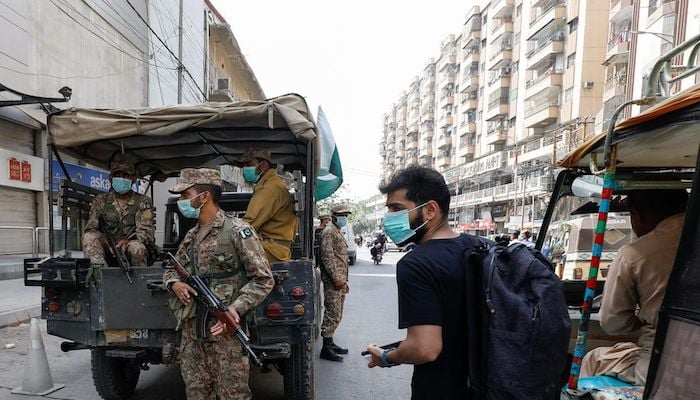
column 271, row 209
column 226, row 252
column 636, row 284
column 431, row 285
column 123, row 215
column 334, row 275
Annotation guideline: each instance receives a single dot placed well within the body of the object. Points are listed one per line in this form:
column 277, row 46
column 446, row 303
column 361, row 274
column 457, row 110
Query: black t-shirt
column 431, row 292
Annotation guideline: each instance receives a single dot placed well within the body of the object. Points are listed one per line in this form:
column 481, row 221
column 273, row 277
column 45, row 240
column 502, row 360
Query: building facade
column 523, row 83
column 112, row 56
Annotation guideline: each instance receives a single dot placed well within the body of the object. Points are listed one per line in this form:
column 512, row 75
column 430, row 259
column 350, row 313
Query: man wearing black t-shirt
column 431, row 286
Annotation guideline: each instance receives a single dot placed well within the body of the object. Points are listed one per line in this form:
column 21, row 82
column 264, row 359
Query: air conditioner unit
column 588, row 85
column 223, row 84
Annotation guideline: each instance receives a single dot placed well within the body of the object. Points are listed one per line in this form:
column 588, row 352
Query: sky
column 353, row 59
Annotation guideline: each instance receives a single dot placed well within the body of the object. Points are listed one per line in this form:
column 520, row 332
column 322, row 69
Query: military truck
column 127, row 326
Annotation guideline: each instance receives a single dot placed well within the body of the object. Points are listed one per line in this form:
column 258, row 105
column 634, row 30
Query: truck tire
column 299, row 373
column 115, row 378
column 352, row 260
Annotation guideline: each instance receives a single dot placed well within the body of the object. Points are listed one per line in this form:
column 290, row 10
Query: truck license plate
column 139, row 334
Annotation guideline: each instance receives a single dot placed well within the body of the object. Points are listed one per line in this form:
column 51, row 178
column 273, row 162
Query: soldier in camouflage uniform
column 124, row 215
column 227, row 252
column 334, row 274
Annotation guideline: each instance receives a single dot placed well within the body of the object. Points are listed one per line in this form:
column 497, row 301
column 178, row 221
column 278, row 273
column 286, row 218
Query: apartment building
column 520, row 83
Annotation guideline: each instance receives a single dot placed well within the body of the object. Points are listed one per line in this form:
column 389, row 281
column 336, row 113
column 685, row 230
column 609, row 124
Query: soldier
column 271, row 209
column 227, row 252
column 324, row 220
column 124, row 215
column 334, row 274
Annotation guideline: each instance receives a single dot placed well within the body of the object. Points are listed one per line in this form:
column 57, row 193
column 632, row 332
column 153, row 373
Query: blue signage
column 94, row 178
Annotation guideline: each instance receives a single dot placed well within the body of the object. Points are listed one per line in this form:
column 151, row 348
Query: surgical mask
column 186, row 209
column 121, row 185
column 250, row 173
column 341, row 221
column 398, row 226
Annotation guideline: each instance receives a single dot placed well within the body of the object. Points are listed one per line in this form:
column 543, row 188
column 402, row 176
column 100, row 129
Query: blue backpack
column 518, row 347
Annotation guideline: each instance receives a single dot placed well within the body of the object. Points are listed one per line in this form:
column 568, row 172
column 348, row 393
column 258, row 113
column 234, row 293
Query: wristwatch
column 385, row 360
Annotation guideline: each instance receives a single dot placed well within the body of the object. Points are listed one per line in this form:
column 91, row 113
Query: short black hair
column 659, row 202
column 422, row 184
column 214, row 190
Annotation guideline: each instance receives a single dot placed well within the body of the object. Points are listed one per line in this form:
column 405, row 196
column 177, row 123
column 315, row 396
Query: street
column 370, row 315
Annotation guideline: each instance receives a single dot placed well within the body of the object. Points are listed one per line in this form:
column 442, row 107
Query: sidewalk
column 18, row 303
column 12, row 266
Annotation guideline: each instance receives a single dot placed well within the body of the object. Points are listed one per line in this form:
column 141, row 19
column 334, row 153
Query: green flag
column 330, row 176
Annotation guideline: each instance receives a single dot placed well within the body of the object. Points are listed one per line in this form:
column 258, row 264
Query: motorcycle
column 377, row 252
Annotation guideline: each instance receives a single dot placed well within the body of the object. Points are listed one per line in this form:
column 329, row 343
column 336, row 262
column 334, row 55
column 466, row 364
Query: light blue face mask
column 250, row 173
column 186, row 209
column 121, row 185
column 398, row 226
column 341, row 220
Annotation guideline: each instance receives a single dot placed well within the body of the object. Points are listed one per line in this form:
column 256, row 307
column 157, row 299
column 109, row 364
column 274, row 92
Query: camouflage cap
column 255, row 152
column 340, row 210
column 196, row 176
column 119, row 163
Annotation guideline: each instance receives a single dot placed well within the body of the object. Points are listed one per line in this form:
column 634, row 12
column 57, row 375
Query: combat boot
column 327, row 352
column 338, row 349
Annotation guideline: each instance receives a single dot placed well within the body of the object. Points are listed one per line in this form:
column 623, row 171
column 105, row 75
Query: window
column 483, row 44
column 514, row 67
column 573, row 25
column 518, row 10
column 570, row 60
column 514, row 94
column 568, row 94
column 484, row 19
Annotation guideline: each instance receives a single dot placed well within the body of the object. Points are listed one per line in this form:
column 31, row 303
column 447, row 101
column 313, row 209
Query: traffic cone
column 37, row 376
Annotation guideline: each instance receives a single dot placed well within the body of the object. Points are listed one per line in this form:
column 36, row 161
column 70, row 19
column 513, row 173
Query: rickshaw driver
column 636, row 284
column 121, row 213
column 271, row 209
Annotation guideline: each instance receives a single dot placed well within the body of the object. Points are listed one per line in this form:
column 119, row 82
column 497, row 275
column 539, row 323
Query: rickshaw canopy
column 663, row 136
column 162, row 141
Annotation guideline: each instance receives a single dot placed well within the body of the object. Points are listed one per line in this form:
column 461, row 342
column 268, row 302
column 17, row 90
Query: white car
column 349, row 236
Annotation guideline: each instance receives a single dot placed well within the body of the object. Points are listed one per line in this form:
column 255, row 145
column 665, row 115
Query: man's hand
column 122, row 245
column 339, row 285
column 375, row 353
column 183, row 291
column 220, row 327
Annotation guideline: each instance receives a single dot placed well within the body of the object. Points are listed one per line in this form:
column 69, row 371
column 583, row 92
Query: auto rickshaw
column 658, row 149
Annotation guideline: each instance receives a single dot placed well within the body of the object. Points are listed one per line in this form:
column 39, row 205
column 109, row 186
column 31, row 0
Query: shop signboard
column 21, row 170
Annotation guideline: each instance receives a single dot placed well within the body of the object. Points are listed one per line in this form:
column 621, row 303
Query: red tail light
column 297, row 293
column 273, row 310
column 54, row 307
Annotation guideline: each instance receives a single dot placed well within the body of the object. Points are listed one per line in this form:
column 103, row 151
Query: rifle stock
column 208, row 299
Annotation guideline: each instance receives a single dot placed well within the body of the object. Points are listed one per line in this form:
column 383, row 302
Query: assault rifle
column 385, row 347
column 207, row 299
column 122, row 260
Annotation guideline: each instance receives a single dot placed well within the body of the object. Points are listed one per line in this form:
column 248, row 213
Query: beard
column 420, row 232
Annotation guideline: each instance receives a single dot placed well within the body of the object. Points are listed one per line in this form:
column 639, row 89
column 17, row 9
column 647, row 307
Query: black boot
column 327, row 352
column 338, row 349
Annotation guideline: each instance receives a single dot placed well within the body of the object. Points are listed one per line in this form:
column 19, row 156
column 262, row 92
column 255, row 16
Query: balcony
column 470, row 57
column 466, row 126
column 469, row 102
column 470, row 84
column 550, row 77
column 502, row 50
column 545, row 49
column 466, row 151
column 657, row 8
column 426, row 133
column 545, row 14
column 504, row 26
column 445, row 120
column 543, row 115
column 619, row 6
column 446, row 101
column 413, row 128
column 444, row 141
column 412, row 144
column 444, row 161
column 501, row 8
column 496, row 135
column 447, row 80
column 615, row 87
column 425, row 151
column 618, row 48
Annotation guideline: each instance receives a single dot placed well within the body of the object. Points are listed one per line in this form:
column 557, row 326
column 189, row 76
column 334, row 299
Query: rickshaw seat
column 603, row 387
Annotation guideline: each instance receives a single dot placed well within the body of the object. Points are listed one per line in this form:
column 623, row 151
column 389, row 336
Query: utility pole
column 180, row 67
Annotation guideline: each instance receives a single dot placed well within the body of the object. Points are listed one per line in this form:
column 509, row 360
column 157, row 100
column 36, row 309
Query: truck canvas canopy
column 162, row 141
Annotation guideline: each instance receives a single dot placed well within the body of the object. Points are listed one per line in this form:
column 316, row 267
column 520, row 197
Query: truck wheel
column 352, row 261
column 115, row 378
column 298, row 372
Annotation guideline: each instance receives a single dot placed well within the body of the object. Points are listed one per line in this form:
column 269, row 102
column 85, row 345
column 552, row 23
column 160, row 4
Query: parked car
column 350, row 240
column 392, row 246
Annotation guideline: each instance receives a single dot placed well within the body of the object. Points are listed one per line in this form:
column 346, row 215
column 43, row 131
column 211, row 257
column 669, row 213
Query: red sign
column 26, row 172
column 15, row 169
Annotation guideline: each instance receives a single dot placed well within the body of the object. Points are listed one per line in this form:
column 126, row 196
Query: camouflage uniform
column 231, row 256
column 334, row 259
column 132, row 220
column 271, row 211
